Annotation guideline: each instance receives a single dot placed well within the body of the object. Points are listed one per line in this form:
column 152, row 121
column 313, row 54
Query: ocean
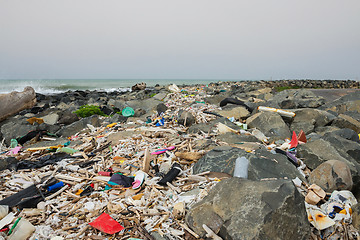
column 50, row 86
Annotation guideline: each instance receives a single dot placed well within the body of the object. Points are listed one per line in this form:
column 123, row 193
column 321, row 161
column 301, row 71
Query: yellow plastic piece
column 111, row 125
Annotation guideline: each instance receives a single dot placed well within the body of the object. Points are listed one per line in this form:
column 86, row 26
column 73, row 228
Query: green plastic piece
column 67, row 150
column 13, row 143
column 15, row 224
column 128, row 112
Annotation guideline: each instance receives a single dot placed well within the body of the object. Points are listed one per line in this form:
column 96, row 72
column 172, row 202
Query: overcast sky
column 208, row 39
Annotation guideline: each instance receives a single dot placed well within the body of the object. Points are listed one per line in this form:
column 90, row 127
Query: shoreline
column 53, row 88
column 201, row 130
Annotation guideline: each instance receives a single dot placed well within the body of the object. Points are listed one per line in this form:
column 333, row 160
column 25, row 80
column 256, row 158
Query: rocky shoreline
column 210, row 127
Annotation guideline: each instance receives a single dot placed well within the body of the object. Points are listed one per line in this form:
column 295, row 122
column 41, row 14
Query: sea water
column 49, row 86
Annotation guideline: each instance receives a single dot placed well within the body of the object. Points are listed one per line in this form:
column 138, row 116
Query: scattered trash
column 241, row 167
column 128, row 112
column 142, row 182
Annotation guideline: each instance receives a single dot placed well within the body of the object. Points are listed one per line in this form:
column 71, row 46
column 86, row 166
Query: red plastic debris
column 302, row 137
column 106, row 224
column 294, row 141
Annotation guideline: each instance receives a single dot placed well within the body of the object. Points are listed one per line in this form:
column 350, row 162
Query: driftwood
column 14, row 102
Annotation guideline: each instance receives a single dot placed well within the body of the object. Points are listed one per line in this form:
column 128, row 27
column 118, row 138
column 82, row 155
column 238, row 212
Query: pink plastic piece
column 160, row 151
column 15, row 150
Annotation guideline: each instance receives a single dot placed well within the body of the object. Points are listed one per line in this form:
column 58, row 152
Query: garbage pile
column 124, row 180
column 135, row 179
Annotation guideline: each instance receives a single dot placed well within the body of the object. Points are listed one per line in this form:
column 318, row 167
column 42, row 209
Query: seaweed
column 89, row 110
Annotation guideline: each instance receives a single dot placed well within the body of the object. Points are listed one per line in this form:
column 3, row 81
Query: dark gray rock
column 233, row 138
column 295, row 98
column 47, row 143
column 139, row 112
column 269, row 123
column 8, row 163
column 349, row 102
column 238, row 112
column 308, row 119
column 349, row 150
column 186, row 118
column 262, row 164
column 346, row 148
column 106, row 110
column 209, row 126
column 76, row 127
column 346, row 133
column 67, row 117
column 147, row 104
column 115, row 103
column 345, row 121
column 318, row 151
column 16, row 128
column 242, row 209
column 116, row 118
column 161, row 108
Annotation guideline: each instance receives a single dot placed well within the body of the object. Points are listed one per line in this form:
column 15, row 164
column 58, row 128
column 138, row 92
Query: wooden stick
column 184, row 226
column 210, row 233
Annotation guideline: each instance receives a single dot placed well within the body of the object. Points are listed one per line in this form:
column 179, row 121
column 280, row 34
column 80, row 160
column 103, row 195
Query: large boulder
column 242, row 209
column 67, row 117
column 349, row 102
column 318, row 151
column 234, row 111
column 345, row 121
column 138, row 86
column 345, row 133
column 147, row 104
column 186, row 118
column 295, row 98
column 269, row 123
column 77, row 126
column 212, row 125
column 308, row 119
column 262, row 164
column 332, row 175
column 14, row 102
column 16, row 128
column 349, row 149
column 51, row 118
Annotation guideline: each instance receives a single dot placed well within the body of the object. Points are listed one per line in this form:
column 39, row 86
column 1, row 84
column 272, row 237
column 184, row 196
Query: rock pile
column 166, row 171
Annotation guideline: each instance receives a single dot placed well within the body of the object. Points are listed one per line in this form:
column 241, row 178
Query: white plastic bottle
column 241, row 167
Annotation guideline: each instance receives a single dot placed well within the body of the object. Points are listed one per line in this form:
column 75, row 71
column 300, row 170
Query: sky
column 187, row 39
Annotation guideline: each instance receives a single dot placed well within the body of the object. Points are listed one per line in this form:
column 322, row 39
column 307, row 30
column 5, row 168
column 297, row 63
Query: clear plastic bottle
column 23, row 230
column 241, row 167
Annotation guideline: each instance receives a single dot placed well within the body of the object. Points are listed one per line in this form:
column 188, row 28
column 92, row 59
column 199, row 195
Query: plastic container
column 23, row 230
column 55, row 186
column 128, row 112
column 282, row 112
column 241, row 167
column 13, row 143
column 4, row 210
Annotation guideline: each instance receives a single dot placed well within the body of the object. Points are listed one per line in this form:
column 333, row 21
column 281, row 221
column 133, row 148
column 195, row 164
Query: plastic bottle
column 241, row 167
column 4, row 210
column 23, row 230
column 13, row 143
